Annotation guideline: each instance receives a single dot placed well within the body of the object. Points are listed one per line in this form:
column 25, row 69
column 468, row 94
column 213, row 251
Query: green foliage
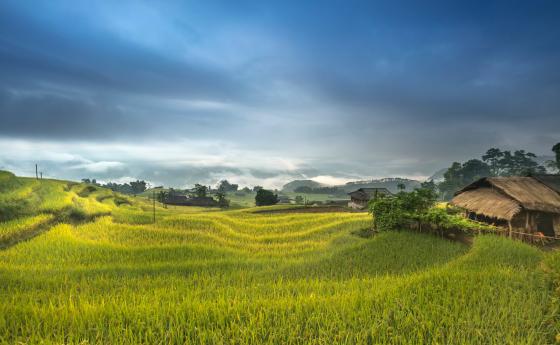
column 138, row 186
column 555, row 164
column 221, row 195
column 495, row 162
column 319, row 190
column 442, row 220
column 134, row 187
column 200, row 191
column 395, row 212
column 417, row 210
column 265, row 197
column 460, row 175
column 225, row 186
column 214, row 277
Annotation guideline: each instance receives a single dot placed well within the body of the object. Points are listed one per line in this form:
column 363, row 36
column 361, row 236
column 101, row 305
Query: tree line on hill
column 416, row 209
column 494, row 162
column 133, row 187
column 319, row 190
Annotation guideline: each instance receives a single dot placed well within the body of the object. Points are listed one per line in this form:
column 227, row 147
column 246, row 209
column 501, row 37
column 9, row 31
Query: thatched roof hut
column 530, row 203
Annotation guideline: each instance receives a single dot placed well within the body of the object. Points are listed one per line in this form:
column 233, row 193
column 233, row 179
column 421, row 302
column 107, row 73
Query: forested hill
column 293, row 185
column 391, row 183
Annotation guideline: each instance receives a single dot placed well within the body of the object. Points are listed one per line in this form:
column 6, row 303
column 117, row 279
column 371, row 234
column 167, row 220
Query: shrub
column 417, row 210
column 395, row 212
column 265, row 197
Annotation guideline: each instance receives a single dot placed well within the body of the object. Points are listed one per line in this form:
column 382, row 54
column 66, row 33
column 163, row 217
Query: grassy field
column 100, row 272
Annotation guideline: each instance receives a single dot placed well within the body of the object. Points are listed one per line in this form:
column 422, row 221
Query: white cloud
column 101, row 166
column 332, row 180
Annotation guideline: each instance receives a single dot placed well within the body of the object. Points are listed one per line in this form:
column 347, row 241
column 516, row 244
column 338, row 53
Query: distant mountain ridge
column 391, row 183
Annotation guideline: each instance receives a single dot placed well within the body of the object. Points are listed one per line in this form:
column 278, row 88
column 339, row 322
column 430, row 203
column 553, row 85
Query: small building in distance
column 284, row 199
column 359, row 198
column 182, row 200
column 527, row 204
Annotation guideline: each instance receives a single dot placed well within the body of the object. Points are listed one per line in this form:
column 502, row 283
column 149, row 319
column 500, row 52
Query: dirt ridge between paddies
column 65, row 216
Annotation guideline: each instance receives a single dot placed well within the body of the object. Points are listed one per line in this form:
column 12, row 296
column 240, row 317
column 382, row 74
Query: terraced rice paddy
column 103, row 274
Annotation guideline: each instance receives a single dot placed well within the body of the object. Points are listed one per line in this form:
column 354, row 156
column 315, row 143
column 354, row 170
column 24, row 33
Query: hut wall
column 556, row 224
column 519, row 222
column 357, row 204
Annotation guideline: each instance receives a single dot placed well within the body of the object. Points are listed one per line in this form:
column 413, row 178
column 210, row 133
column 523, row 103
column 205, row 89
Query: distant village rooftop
column 360, row 197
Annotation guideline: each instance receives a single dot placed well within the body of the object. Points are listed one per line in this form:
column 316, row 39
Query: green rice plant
column 13, row 230
column 202, row 276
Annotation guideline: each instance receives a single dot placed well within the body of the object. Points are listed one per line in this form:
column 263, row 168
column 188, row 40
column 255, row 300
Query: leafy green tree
column 227, row 187
column 392, row 213
column 401, row 186
column 257, row 188
column 265, row 197
column 555, row 164
column 138, row 186
column 493, row 158
column 460, row 175
column 431, row 185
column 200, row 191
column 299, row 199
column 161, row 196
column 221, row 196
column 520, row 163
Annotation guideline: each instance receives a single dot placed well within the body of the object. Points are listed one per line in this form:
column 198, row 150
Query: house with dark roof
column 529, row 204
column 359, row 198
column 183, row 200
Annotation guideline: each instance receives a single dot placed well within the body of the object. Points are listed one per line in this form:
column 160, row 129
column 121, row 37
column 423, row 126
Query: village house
column 359, row 198
column 182, row 200
column 529, row 204
column 283, row 199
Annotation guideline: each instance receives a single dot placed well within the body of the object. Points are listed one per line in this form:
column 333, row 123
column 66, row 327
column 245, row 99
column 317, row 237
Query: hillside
column 100, row 272
column 390, row 183
column 291, row 186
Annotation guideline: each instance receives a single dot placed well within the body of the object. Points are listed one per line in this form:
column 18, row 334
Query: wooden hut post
column 510, row 229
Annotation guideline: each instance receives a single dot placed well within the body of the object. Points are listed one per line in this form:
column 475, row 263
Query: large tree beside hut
column 495, row 162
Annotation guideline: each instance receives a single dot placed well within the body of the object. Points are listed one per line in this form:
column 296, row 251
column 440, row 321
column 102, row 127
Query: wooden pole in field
column 41, row 175
column 36, row 173
column 154, row 207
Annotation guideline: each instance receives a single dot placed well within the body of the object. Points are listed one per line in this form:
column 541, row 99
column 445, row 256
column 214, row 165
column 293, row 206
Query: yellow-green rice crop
column 238, row 277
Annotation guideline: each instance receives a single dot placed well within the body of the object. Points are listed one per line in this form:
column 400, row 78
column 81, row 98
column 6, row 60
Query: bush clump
column 417, row 210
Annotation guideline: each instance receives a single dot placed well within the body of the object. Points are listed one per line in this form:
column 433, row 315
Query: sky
column 264, row 92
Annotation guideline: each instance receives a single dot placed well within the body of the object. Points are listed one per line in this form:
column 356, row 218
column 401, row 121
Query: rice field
column 103, row 273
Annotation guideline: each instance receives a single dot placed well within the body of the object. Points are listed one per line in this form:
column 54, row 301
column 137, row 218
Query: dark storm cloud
column 349, row 88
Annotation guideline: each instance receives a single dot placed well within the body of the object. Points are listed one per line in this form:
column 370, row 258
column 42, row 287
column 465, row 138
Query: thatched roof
column 551, row 181
column 487, row 201
column 496, row 196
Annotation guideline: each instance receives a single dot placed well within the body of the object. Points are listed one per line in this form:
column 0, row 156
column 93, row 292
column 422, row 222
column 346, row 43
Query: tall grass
column 239, row 277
